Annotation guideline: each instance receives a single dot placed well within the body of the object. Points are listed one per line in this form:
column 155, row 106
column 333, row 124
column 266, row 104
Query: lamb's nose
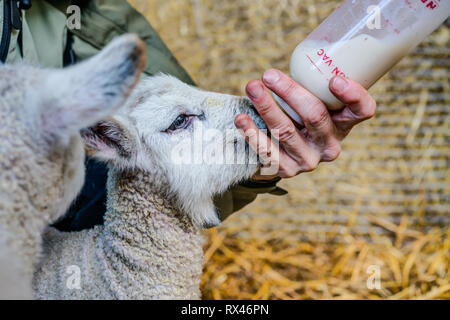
column 248, row 108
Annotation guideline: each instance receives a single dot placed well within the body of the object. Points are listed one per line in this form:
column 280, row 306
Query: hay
column 384, row 203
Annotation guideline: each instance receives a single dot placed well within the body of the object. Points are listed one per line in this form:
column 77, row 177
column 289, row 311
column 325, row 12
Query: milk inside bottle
column 362, row 40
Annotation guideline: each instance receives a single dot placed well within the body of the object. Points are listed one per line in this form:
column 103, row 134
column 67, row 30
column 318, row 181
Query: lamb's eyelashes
column 183, row 121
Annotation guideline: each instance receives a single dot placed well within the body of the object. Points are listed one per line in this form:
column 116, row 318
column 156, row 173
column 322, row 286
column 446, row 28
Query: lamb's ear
column 79, row 96
column 109, row 141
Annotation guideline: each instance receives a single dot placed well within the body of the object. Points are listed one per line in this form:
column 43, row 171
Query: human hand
column 301, row 150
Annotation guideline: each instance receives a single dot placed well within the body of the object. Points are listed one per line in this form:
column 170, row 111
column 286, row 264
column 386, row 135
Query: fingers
column 260, row 143
column 275, row 158
column 360, row 105
column 313, row 112
column 276, row 120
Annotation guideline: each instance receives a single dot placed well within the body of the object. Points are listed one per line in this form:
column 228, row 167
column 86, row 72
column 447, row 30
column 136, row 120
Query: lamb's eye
column 181, row 122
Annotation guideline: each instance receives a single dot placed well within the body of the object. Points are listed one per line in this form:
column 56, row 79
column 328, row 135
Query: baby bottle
column 362, row 40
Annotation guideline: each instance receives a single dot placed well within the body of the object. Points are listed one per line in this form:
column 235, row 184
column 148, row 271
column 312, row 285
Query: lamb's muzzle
column 248, row 108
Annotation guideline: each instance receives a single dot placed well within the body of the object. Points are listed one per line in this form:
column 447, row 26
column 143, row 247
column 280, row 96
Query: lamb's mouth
column 257, row 119
column 237, row 144
column 248, row 108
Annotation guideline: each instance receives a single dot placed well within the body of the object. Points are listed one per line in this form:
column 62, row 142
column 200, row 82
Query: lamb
column 150, row 246
column 41, row 151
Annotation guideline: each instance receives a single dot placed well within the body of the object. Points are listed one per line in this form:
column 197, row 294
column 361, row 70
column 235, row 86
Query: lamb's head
column 184, row 137
column 42, row 112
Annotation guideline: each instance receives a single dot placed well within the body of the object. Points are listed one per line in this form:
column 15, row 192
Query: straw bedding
column 383, row 204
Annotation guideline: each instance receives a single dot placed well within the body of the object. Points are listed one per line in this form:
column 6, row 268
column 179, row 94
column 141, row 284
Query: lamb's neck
column 147, row 233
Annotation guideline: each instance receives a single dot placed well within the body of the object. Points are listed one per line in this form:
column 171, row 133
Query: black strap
column 69, row 55
column 6, row 31
column 25, row 4
column 12, row 18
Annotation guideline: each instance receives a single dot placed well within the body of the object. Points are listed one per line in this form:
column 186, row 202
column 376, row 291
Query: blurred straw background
column 383, row 205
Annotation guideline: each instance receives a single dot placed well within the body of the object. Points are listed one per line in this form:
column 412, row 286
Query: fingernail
column 240, row 122
column 339, row 84
column 271, row 76
column 255, row 90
